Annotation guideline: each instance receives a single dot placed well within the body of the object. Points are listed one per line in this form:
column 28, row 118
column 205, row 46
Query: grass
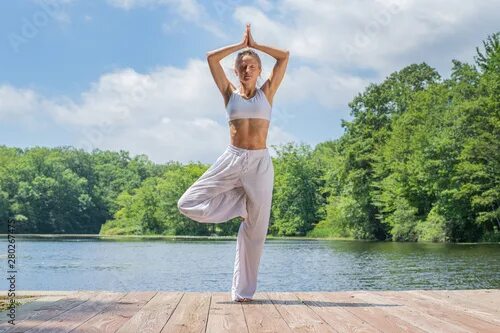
column 5, row 301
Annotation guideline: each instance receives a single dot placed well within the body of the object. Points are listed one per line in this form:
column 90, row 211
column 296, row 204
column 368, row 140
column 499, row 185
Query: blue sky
column 132, row 74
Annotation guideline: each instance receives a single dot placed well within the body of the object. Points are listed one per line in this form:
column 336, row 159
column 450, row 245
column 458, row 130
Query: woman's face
column 248, row 70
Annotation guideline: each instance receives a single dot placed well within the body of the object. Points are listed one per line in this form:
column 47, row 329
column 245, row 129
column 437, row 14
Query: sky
column 133, row 75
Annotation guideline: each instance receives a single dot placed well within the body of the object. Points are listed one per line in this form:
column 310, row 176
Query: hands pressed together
column 247, row 38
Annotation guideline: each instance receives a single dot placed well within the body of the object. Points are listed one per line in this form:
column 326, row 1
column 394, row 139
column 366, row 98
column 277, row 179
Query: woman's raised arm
column 281, row 56
column 214, row 58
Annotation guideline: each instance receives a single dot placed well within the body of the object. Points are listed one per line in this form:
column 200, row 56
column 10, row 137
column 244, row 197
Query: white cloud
column 324, row 85
column 16, row 103
column 22, row 106
column 169, row 114
column 266, row 5
column 380, row 35
column 278, row 135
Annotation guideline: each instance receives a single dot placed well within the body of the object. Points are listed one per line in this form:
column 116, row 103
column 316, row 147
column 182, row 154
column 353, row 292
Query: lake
column 184, row 264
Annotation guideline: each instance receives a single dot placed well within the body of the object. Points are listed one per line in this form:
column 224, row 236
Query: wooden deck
column 349, row 311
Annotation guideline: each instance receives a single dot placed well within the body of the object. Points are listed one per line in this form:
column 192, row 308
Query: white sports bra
column 255, row 107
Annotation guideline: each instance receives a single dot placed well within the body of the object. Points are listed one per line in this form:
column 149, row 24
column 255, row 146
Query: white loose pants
column 239, row 183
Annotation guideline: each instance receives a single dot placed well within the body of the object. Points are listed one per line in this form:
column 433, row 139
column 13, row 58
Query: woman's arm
column 279, row 69
column 219, row 54
column 277, row 54
column 214, row 58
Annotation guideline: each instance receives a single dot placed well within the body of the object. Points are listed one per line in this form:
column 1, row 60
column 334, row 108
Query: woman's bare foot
column 244, row 299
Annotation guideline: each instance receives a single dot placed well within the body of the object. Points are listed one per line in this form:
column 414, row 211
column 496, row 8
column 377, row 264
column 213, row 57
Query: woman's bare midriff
column 249, row 133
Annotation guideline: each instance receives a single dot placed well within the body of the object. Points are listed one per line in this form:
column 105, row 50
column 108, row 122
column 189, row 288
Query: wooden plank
column 152, row 317
column 374, row 313
column 457, row 311
column 225, row 315
column 470, row 314
column 299, row 317
column 488, row 296
column 27, row 306
column 113, row 317
column 481, row 292
column 472, row 301
column 439, row 309
column 412, row 314
column 262, row 316
column 470, row 311
column 36, row 313
column 191, row 314
column 334, row 314
column 74, row 317
column 43, row 292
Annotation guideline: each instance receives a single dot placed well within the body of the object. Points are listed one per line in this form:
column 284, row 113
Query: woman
column 240, row 182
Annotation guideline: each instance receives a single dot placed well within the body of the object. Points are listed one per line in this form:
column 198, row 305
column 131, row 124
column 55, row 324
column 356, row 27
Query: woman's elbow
column 211, row 57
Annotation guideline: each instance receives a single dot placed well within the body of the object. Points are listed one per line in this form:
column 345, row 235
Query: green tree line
column 419, row 161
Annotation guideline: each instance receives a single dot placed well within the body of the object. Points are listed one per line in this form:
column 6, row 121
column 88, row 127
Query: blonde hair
column 249, row 52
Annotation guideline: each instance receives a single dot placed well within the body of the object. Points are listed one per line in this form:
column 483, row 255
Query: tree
column 296, row 197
